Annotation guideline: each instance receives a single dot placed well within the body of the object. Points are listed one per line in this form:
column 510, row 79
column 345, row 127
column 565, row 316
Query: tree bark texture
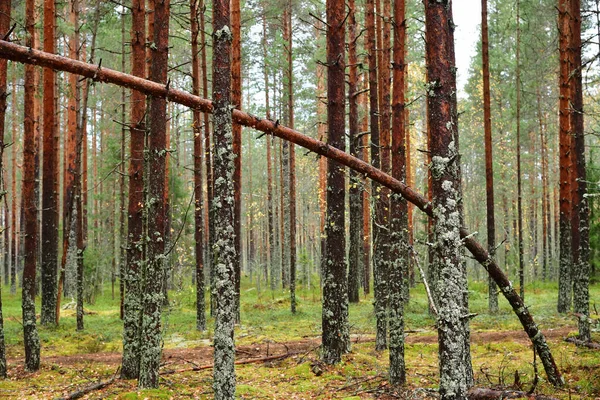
column 336, row 337
column 152, row 296
column 379, row 220
column 198, row 193
column 236, row 101
column 31, row 56
column 519, row 180
column 398, row 272
column 5, row 8
column 489, row 169
column 31, row 339
column 50, row 178
column 452, row 320
column 581, row 224
column 130, row 366
column 355, row 191
column 224, row 220
column 565, row 283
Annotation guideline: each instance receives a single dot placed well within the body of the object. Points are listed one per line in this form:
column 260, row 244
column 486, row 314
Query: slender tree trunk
column 236, row 101
column 122, row 209
column 519, row 183
column 398, row 274
column 581, row 223
column 224, row 247
column 355, row 256
column 565, row 163
column 5, row 9
column 456, row 375
column 336, row 338
column 291, row 176
column 69, row 221
column 366, row 207
column 198, row 193
column 14, row 225
column 379, row 213
column 31, row 339
column 152, row 297
column 489, row 169
column 130, row 367
column 50, row 177
column 545, row 199
column 270, row 204
column 322, row 134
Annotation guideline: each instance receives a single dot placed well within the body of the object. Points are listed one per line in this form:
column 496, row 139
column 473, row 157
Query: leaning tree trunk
column 489, row 169
column 581, row 224
column 453, row 319
column 223, row 169
column 31, row 56
column 31, row 339
column 152, row 297
column 336, row 339
column 398, row 273
column 130, row 366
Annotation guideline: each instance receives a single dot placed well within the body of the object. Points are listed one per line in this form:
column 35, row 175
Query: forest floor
column 279, row 352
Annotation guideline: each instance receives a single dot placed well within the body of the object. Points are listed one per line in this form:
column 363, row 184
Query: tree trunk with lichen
column 565, row 165
column 50, row 177
column 489, row 169
column 31, row 338
column 236, row 101
column 336, row 338
column 198, row 195
column 380, row 211
column 399, row 249
column 453, row 311
column 581, row 224
column 223, row 169
column 152, row 296
column 355, row 255
column 130, row 365
column 5, row 8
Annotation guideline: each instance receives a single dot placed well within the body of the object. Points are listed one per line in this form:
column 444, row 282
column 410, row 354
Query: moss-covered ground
column 501, row 354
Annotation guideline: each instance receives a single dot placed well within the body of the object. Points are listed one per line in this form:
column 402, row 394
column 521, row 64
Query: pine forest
column 325, row 199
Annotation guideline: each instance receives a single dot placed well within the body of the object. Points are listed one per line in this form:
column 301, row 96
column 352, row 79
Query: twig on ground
column 582, row 343
column 90, row 388
column 241, row 362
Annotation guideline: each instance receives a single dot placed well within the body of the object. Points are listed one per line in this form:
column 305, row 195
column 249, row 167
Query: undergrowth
column 265, row 318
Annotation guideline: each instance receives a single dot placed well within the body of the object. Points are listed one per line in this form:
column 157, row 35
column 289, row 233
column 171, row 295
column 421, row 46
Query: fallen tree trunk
column 582, row 343
column 96, row 72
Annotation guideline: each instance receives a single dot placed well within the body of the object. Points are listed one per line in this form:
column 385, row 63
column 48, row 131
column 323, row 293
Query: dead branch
column 240, row 362
column 87, row 389
column 581, row 343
